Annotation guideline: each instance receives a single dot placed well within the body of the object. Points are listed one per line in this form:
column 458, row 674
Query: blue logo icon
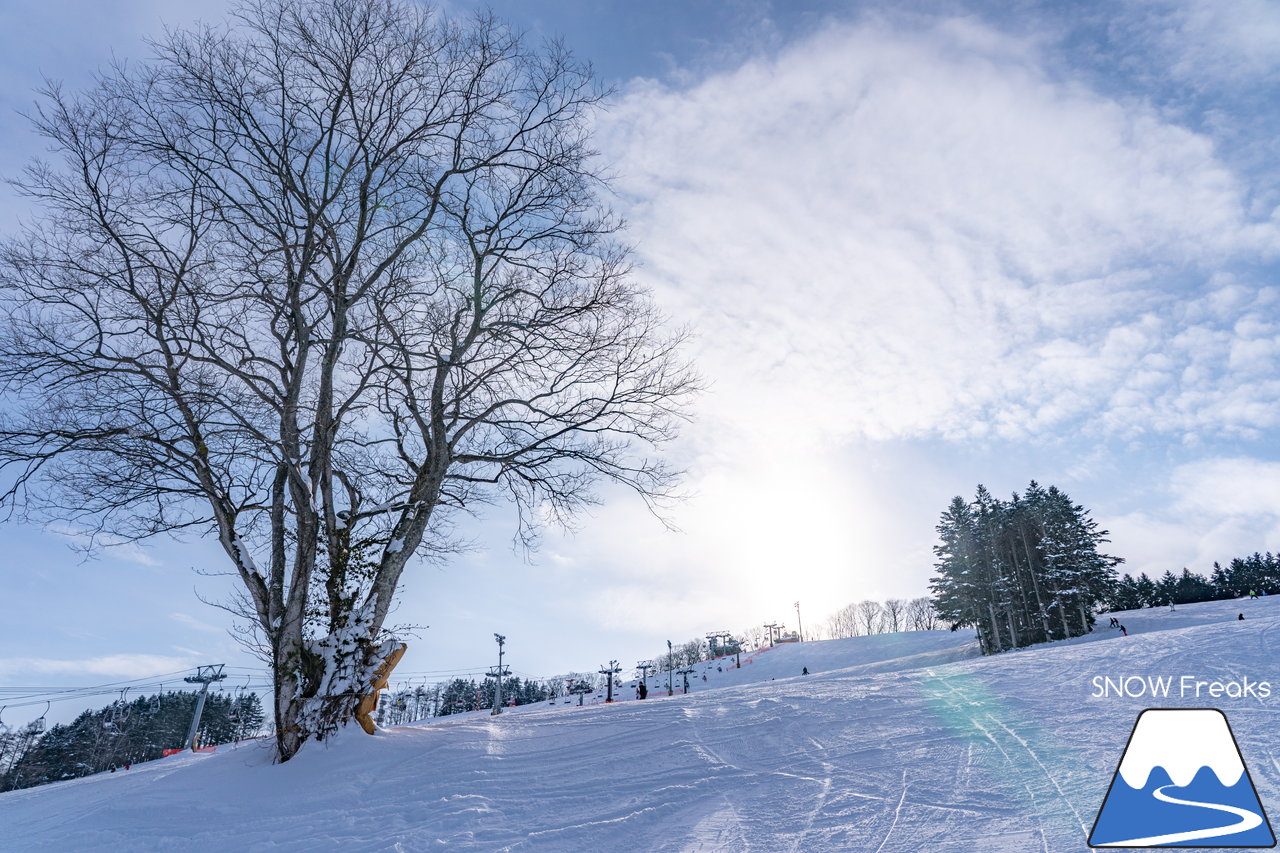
column 1182, row 783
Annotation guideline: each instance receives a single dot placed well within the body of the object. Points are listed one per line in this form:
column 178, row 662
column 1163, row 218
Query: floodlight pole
column 671, row 664
column 204, row 676
column 497, row 677
column 800, row 629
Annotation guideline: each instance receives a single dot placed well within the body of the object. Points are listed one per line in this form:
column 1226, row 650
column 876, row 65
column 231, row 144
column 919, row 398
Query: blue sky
column 922, row 246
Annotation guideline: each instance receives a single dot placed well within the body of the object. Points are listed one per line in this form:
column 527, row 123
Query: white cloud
column 1229, row 488
column 1208, row 40
column 1216, row 509
column 123, row 665
column 192, row 622
column 104, row 544
column 895, row 234
column 882, row 234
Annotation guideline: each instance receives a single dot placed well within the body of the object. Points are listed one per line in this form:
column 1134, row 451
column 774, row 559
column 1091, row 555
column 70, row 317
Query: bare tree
column 691, row 652
column 894, row 614
column 753, row 637
column 921, row 614
column 869, row 617
column 844, row 622
column 310, row 283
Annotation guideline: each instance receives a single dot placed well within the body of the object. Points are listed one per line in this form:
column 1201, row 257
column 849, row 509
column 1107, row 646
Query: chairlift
column 38, row 725
column 119, row 712
column 235, row 702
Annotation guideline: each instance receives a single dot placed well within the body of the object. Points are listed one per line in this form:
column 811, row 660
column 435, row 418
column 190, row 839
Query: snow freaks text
column 1178, row 687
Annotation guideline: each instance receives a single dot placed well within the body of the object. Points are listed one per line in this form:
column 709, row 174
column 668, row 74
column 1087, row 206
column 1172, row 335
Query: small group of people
column 1115, row 623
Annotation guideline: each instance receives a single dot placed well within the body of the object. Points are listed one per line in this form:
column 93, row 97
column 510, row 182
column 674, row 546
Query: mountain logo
column 1181, row 783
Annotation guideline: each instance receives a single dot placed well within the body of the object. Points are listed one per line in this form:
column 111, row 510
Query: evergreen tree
column 1023, row 571
column 127, row 733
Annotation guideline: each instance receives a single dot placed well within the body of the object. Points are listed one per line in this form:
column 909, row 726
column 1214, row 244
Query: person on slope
column 1123, row 631
column 804, row 671
column 644, row 690
column 1253, row 595
column 1241, row 616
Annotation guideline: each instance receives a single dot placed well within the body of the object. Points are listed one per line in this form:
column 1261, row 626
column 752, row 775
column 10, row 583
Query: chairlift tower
column 609, row 672
column 774, row 630
column 205, row 675
column 685, row 673
column 581, row 689
column 715, row 640
column 644, row 666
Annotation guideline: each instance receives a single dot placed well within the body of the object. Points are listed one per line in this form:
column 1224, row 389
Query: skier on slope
column 644, row 690
column 804, row 671
column 1123, row 631
column 1241, row 616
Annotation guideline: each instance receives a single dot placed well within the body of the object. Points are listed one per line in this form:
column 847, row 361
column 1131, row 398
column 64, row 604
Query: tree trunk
column 288, row 708
column 1035, row 586
column 995, row 627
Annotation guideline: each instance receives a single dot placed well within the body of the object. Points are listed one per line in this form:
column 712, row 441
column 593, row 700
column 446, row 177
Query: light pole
column 800, row 631
column 497, row 676
column 671, row 664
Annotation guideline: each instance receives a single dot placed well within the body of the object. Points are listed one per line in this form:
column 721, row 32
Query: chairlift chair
column 235, row 702
column 38, row 724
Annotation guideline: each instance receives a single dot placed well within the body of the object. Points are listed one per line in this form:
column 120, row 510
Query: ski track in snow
column 895, row 744
column 897, row 812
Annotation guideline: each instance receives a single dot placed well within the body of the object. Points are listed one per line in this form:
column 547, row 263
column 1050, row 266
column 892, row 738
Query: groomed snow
column 1007, row 753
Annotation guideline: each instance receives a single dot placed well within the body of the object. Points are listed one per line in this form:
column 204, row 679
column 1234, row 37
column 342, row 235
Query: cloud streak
column 121, row 665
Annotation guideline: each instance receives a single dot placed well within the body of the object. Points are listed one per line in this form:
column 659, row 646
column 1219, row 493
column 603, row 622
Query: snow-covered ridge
column 1181, row 741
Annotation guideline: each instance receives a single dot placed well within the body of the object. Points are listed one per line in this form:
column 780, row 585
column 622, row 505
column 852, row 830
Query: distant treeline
column 459, row 695
column 875, row 617
column 119, row 734
column 1259, row 573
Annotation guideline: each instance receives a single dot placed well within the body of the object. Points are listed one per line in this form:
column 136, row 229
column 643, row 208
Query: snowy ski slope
column 889, row 745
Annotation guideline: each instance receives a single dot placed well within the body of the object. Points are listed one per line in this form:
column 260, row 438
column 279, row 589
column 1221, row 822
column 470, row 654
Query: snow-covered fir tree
column 1020, row 571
